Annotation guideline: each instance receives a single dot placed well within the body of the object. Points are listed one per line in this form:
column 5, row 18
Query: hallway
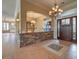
column 9, row 44
column 11, row 49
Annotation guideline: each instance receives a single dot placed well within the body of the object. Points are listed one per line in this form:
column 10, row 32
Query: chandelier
column 56, row 10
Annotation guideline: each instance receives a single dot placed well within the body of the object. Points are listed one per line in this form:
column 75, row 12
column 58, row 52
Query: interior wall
column 69, row 13
column 39, row 24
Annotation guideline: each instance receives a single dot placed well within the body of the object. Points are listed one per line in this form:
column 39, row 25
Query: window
column 47, row 26
column 74, row 28
column 12, row 27
column 65, row 21
column 5, row 26
column 58, row 28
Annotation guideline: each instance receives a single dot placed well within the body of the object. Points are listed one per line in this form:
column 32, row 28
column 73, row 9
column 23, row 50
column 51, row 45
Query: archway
column 37, row 22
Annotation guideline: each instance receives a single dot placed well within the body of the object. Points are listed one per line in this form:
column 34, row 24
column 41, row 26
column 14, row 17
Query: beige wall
column 39, row 24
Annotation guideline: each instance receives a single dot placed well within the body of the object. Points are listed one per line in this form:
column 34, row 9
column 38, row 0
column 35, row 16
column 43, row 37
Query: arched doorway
column 37, row 22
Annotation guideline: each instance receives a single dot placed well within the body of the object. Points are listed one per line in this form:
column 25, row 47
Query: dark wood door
column 67, row 29
column 65, row 32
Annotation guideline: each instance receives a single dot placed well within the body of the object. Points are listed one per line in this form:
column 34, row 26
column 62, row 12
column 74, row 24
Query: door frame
column 76, row 30
column 71, row 27
column 57, row 28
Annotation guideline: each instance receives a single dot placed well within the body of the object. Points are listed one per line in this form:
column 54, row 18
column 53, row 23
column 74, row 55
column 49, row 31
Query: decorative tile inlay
column 55, row 47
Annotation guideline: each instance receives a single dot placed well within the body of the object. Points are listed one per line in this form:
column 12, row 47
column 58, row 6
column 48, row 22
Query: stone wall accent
column 30, row 38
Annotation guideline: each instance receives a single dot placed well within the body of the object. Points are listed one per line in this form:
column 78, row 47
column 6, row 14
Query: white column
column 23, row 17
column 54, row 27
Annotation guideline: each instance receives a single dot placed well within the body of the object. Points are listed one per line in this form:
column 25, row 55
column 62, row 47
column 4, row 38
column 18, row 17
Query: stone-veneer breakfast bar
column 34, row 37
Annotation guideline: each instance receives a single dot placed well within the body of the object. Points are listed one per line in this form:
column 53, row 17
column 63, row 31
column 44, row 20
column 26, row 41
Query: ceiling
column 44, row 6
column 47, row 4
column 34, row 15
column 9, row 6
column 50, row 2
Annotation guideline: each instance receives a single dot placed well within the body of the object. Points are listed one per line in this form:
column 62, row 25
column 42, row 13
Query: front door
column 65, row 32
column 67, row 29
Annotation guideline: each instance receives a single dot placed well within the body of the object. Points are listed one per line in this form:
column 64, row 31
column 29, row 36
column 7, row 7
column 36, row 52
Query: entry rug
column 57, row 49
